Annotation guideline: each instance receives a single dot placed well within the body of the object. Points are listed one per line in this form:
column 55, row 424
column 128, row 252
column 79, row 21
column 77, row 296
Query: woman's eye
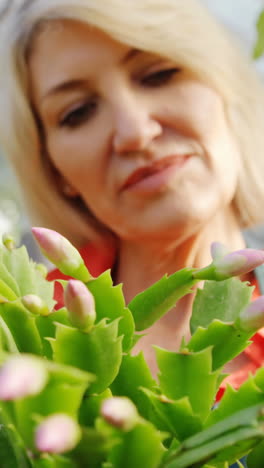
column 79, row 115
column 161, row 77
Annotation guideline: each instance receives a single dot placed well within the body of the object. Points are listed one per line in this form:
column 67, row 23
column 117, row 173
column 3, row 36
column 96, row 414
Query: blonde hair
column 181, row 30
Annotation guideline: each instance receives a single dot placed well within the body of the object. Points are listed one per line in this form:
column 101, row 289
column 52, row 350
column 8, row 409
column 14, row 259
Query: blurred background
column 238, row 15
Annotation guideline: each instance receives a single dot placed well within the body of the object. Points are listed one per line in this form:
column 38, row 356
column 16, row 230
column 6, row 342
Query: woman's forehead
column 66, row 34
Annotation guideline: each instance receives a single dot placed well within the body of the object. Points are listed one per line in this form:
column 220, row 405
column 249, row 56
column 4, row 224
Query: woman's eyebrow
column 71, row 85
column 131, row 54
column 63, row 87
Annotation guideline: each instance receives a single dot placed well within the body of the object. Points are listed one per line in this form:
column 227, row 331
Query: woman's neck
column 143, row 263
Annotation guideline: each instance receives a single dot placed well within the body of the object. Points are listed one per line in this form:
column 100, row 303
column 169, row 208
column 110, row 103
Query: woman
column 134, row 126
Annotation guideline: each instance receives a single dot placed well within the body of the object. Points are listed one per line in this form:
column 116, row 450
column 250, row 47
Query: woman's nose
column 134, row 128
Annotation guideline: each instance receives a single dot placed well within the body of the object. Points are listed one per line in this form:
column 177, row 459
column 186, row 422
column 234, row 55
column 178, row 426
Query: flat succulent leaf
column 247, row 417
column 234, row 454
column 189, row 375
column 176, row 417
column 256, row 457
column 44, row 289
column 133, row 374
column 54, row 461
column 98, row 352
column 55, row 398
column 47, row 328
column 93, row 448
column 90, row 407
column 259, row 378
column 150, row 305
column 7, row 342
column 238, row 441
column 218, row 465
column 6, row 276
column 247, row 395
column 12, row 449
column 63, row 393
column 21, row 268
column 221, row 300
column 110, row 303
column 20, row 273
column 259, row 46
column 141, row 447
column 22, row 326
column 6, row 291
column 215, row 335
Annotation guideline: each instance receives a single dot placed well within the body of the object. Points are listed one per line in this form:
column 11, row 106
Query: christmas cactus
column 73, row 395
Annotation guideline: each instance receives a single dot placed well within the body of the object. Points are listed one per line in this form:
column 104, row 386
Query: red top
column 96, row 263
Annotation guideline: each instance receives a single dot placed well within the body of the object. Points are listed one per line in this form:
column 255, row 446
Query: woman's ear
column 65, row 187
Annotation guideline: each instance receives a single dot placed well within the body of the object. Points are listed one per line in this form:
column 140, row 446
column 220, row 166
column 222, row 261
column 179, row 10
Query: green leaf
column 110, row 303
column 98, row 352
column 7, row 342
column 12, row 449
column 214, row 336
column 22, row 326
column 221, row 300
column 259, row 46
column 20, row 267
column 176, row 417
column 247, row 395
column 244, row 418
column 141, row 448
column 133, row 374
column 47, row 328
column 93, row 448
column 6, row 276
column 6, row 291
column 62, row 394
column 90, row 408
column 22, row 275
column 259, row 378
column 44, row 289
column 53, row 461
column 188, row 375
column 151, row 304
column 238, row 440
column 256, row 457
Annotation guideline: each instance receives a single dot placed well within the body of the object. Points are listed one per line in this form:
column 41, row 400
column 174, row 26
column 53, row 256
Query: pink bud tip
column 239, row 263
column 21, row 376
column 57, row 433
column 120, row 412
column 61, row 252
column 80, row 304
column 252, row 317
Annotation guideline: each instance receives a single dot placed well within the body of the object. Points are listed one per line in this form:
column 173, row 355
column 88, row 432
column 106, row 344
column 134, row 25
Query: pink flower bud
column 238, row 263
column 62, row 253
column 120, row 412
column 80, row 304
column 57, row 433
column 231, row 264
column 22, row 376
column 35, row 304
column 251, row 318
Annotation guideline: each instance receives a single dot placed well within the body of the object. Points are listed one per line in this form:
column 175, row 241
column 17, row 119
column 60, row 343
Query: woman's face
column 144, row 143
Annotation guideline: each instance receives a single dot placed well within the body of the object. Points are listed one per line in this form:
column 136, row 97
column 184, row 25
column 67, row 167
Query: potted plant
column 71, row 393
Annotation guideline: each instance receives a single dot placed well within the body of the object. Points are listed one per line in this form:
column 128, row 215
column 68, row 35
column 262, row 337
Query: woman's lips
column 156, row 176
